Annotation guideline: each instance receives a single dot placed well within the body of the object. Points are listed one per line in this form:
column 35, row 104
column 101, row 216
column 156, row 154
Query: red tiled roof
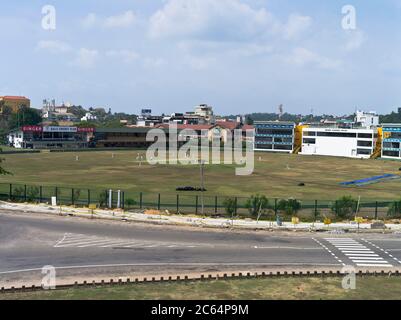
column 188, row 126
column 248, row 127
column 14, row 98
column 228, row 124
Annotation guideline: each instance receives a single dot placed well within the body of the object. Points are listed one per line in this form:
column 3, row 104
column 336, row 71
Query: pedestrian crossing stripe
column 70, row 240
column 358, row 253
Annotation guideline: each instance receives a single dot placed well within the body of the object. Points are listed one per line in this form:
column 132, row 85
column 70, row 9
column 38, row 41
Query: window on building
column 391, row 145
column 309, row 133
column 274, row 131
column 266, row 139
column 365, row 135
column 337, row 134
column 282, row 147
column 365, row 143
column 363, row 151
column 388, row 153
column 264, row 146
column 396, row 135
column 309, row 141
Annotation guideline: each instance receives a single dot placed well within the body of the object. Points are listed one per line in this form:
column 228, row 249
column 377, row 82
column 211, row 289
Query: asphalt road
column 29, row 242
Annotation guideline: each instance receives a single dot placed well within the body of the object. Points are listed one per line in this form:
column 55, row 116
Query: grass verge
column 316, row 288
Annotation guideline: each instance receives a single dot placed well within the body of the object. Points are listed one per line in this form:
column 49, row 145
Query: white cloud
column 86, row 58
column 120, row 21
column 355, row 40
column 211, row 19
column 89, row 21
column 304, row 57
column 53, row 46
column 153, row 63
column 123, row 20
column 128, row 56
column 199, row 63
column 296, row 25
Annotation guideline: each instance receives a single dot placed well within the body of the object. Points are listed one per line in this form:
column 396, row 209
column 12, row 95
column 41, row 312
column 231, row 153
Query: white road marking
column 361, row 255
column 174, row 264
column 327, row 249
column 82, row 241
column 358, row 253
column 287, row 248
column 373, row 265
column 365, row 258
column 382, row 250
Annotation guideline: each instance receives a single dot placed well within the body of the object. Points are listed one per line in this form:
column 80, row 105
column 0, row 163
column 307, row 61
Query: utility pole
column 202, row 174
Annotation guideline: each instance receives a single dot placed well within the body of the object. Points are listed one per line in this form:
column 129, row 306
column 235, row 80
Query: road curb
column 206, row 277
column 160, row 222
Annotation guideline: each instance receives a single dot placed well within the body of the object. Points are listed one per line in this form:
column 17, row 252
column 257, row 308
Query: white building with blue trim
column 274, row 136
column 391, row 147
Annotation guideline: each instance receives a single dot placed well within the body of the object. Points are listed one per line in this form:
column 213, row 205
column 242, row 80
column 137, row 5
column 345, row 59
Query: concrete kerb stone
column 203, row 277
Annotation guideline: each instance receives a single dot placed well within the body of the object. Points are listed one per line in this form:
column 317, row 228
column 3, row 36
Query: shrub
column 18, row 194
column 229, row 205
column 394, row 211
column 289, row 207
column 76, row 194
column 257, row 205
column 103, row 198
column 345, row 207
column 130, row 202
column 32, row 194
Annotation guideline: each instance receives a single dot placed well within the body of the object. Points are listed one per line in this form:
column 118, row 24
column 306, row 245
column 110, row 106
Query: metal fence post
column 215, row 205
column 89, row 197
column 196, row 204
column 315, row 209
column 140, row 201
column 377, row 210
column 178, row 203
column 275, row 207
column 25, row 193
column 72, row 196
column 158, row 202
column 11, row 191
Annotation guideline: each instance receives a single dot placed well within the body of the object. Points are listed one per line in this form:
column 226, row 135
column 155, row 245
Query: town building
column 391, row 146
column 121, row 138
column 274, row 136
column 61, row 114
column 88, row 117
column 14, row 103
column 50, row 137
column 206, row 112
column 367, row 119
column 222, row 131
column 339, row 142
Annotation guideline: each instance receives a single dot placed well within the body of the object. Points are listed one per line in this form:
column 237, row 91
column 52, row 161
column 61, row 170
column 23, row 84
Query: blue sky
column 237, row 55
